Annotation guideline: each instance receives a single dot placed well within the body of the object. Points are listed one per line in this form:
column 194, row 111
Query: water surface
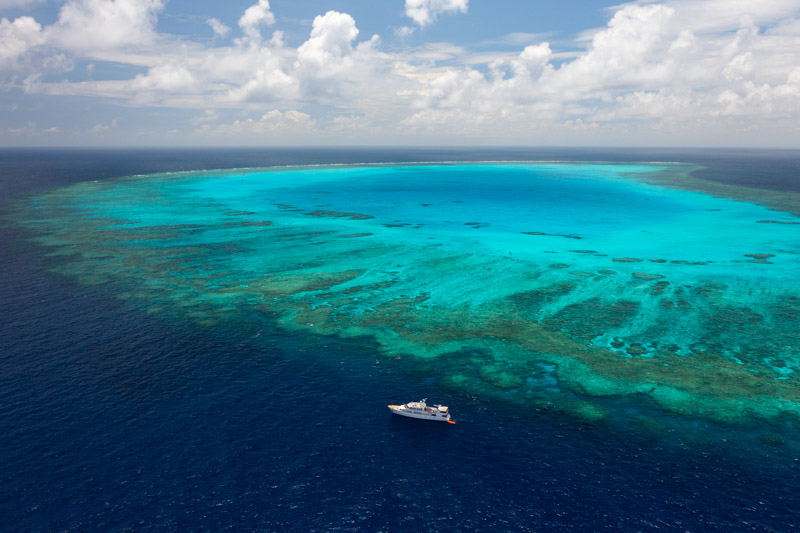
column 215, row 349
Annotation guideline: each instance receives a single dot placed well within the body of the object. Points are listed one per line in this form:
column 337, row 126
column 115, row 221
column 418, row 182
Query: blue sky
column 400, row 72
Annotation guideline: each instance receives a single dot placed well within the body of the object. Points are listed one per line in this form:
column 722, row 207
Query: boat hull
column 436, row 416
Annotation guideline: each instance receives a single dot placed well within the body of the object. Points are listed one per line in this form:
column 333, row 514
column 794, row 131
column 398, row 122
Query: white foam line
column 410, row 163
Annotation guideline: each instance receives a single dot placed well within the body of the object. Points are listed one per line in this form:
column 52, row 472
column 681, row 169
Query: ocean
column 187, row 347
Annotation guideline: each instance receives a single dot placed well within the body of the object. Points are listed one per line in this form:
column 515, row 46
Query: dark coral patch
column 710, row 289
column 636, row 349
column 760, row 258
column 773, row 440
column 339, row 214
column 354, row 235
column 646, row 276
column 590, row 318
column 351, row 290
column 551, row 234
column 659, row 287
column 532, row 301
column 681, row 262
column 249, row 223
column 170, row 227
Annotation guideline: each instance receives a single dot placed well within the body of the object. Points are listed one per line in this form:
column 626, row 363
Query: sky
column 400, row 72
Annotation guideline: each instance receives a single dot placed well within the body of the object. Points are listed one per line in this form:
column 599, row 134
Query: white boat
column 421, row 410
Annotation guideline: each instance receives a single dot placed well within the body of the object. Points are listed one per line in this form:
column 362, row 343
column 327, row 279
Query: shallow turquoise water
column 572, row 272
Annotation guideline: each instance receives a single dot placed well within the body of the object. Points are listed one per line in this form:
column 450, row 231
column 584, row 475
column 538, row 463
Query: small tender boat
column 421, row 410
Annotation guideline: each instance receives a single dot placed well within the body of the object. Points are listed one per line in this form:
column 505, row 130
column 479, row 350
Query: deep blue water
column 113, row 419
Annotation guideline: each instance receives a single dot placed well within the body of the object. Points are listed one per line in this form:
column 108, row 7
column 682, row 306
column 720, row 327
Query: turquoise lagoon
column 549, row 284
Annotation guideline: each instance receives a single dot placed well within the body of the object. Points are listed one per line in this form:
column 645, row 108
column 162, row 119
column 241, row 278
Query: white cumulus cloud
column 16, row 38
column 272, row 121
column 219, row 29
column 653, row 65
column 424, row 12
column 87, row 25
column 328, row 63
column 669, row 66
column 330, row 46
column 166, row 77
column 256, row 15
column 100, row 128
